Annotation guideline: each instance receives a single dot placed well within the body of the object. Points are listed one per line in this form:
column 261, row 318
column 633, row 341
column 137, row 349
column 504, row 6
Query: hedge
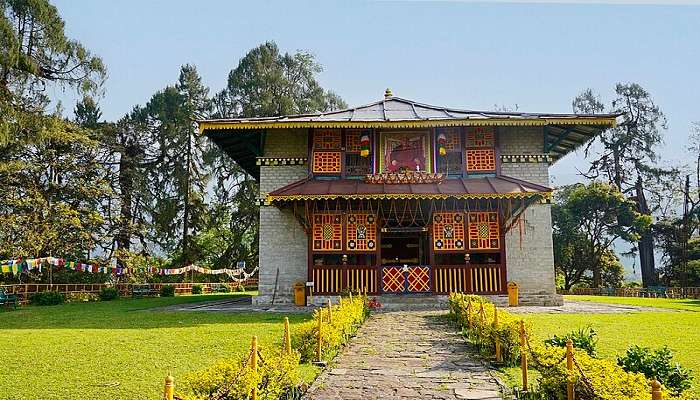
column 346, row 319
column 233, row 379
column 607, row 380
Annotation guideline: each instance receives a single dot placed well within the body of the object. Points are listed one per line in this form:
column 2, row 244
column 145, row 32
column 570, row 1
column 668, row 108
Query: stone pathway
column 406, row 355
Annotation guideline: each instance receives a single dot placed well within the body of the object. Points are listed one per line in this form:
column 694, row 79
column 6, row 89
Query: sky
column 536, row 55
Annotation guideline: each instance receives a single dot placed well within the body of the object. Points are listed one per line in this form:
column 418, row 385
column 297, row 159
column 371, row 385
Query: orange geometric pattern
column 448, row 231
column 483, row 230
column 481, row 160
column 418, row 279
column 327, row 139
column 480, row 136
column 352, row 140
column 327, row 232
column 453, row 139
column 393, row 280
column 361, row 231
column 326, row 162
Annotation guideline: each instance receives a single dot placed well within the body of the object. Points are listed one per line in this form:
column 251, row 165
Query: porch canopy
column 500, row 187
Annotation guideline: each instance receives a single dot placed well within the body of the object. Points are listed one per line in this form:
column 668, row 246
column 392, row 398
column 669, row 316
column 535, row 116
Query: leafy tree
column 269, row 83
column 265, row 83
column 587, row 220
column 35, row 52
column 629, row 158
column 178, row 178
column 52, row 191
column 52, row 183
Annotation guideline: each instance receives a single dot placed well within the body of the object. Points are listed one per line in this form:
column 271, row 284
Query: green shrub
column 232, row 379
column 167, row 291
column 197, row 289
column 346, row 319
column 47, row 298
column 584, row 339
column 483, row 334
column 109, row 293
column 657, row 364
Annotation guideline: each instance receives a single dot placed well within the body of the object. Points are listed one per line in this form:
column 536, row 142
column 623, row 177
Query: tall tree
column 178, row 180
column 269, row 83
column 587, row 219
column 629, row 157
column 266, row 82
column 52, row 183
column 35, row 53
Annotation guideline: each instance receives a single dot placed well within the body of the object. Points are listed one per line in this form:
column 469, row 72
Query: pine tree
column 629, row 160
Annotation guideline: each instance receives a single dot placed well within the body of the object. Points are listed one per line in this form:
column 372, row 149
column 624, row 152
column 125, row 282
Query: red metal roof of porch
column 463, row 188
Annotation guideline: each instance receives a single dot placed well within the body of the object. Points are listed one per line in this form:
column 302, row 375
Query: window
column 358, row 152
column 448, row 151
column 480, row 152
column 326, row 157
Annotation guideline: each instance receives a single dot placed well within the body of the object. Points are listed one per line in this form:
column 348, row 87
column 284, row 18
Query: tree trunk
column 186, row 213
column 126, row 189
column 597, row 276
column 646, row 242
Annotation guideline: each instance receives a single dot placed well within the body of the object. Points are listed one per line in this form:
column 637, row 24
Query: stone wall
column 529, row 250
column 283, row 242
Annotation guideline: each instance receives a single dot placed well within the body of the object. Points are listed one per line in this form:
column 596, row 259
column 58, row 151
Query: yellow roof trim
column 388, row 196
column 609, row 121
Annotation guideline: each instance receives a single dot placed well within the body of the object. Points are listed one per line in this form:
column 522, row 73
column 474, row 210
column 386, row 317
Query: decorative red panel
column 393, row 279
column 448, row 231
column 453, row 140
column 418, row 279
column 352, row 140
column 326, row 162
column 327, row 232
column 361, row 231
column 481, row 160
column 480, row 136
column 327, row 139
column 483, row 231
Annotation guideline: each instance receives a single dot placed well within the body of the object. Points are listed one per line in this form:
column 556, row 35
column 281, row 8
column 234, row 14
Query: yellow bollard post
column 254, row 364
column 569, row 370
column 318, row 341
column 169, row 391
column 497, row 339
column 330, row 311
column 482, row 314
column 523, row 355
column 655, row 390
column 287, row 337
column 469, row 314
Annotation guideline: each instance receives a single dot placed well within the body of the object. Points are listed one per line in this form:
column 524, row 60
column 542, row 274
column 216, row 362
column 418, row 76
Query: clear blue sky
column 462, row 54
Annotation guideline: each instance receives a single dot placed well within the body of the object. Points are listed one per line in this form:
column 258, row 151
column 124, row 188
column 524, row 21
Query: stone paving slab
column 406, row 355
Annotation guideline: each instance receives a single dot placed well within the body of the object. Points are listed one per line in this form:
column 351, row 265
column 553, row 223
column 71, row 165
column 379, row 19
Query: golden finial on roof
column 387, row 93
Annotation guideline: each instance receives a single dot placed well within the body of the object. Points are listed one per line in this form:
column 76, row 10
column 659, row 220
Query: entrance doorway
column 404, row 262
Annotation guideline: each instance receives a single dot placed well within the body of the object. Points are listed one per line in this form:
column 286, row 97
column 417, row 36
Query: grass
column 679, row 330
column 674, row 304
column 121, row 349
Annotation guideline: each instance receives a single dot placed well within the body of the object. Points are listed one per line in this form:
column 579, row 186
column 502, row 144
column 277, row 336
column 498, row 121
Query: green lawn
column 120, row 349
column 680, row 331
column 674, row 304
